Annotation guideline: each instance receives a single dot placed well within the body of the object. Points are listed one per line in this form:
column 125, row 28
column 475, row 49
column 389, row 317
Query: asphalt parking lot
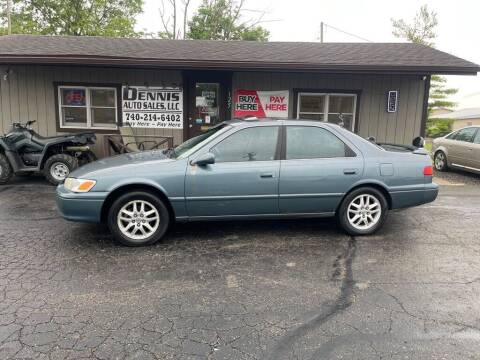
column 245, row 290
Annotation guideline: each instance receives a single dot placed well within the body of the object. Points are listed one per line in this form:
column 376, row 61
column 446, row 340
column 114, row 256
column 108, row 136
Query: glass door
column 208, row 101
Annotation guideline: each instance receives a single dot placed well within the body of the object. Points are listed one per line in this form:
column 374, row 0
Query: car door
column 460, row 150
column 318, row 169
column 243, row 180
column 476, row 151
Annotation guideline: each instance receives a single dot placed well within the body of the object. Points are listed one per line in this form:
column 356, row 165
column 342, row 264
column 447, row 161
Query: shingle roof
column 462, row 114
column 370, row 57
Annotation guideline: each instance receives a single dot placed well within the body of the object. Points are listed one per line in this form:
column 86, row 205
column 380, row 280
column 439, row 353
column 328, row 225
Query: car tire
column 440, row 161
column 6, row 171
column 58, row 167
column 363, row 211
column 134, row 225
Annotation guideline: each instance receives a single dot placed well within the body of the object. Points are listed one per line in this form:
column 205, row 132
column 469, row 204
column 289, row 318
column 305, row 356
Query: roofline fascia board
column 225, row 65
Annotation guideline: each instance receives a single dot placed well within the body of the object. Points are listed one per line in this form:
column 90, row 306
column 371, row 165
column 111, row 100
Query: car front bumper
column 84, row 207
column 414, row 197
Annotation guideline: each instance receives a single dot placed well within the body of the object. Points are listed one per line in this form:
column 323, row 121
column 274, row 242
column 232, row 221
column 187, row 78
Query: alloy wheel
column 364, row 212
column 439, row 161
column 138, row 219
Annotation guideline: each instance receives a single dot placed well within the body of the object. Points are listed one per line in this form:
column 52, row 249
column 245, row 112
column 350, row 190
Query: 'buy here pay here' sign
column 261, row 103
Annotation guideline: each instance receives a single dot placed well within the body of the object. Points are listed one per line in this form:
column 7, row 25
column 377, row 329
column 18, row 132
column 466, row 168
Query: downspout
column 423, row 124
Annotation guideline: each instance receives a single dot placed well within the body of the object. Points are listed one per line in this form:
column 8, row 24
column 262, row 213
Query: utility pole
column 9, row 17
column 321, row 32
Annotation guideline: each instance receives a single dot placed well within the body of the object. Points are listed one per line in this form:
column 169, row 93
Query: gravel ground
column 459, row 177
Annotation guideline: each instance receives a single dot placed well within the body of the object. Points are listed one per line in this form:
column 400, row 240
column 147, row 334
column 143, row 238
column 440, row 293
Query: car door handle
column 265, row 176
column 349, row 171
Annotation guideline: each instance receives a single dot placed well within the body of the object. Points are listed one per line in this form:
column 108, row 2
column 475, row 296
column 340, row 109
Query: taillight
column 428, row 170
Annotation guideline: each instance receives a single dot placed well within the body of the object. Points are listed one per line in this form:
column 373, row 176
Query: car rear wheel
column 363, row 211
column 138, row 218
column 440, row 161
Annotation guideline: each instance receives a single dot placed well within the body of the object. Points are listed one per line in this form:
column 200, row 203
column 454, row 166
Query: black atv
column 23, row 151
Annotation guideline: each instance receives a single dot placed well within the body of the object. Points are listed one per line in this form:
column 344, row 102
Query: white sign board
column 392, row 101
column 152, row 107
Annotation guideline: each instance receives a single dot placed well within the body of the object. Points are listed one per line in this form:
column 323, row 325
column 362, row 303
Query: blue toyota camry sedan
column 253, row 169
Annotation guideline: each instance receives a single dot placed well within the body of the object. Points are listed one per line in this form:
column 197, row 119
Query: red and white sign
column 261, row 103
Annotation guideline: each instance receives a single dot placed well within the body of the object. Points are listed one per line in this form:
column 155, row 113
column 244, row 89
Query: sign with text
column 152, row 107
column 392, row 101
column 261, row 103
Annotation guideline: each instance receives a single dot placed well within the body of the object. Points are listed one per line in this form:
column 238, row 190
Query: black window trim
column 277, row 147
column 284, row 146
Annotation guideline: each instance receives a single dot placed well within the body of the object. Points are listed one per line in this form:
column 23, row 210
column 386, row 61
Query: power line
column 343, row 31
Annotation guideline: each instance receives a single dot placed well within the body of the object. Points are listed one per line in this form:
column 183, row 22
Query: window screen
column 328, row 107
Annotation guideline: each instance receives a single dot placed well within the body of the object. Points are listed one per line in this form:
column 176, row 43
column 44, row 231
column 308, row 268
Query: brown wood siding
column 29, row 93
column 373, row 118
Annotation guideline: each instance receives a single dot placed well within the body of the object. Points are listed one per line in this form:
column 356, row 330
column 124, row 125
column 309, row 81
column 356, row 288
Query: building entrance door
column 209, row 100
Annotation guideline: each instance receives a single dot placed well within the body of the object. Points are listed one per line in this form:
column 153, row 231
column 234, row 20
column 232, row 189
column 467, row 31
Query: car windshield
column 191, row 145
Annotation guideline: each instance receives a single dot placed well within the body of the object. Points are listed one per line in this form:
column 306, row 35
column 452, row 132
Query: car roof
column 276, row 121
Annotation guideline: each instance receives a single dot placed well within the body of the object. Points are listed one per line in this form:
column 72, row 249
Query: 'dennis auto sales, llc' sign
column 261, row 103
column 152, row 107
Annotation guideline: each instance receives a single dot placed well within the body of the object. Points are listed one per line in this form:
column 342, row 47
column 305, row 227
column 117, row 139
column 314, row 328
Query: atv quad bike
column 23, row 151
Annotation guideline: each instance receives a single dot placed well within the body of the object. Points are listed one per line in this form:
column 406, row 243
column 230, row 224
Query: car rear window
column 310, row 142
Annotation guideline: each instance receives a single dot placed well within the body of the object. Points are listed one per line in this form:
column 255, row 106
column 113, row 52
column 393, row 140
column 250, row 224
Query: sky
column 299, row 20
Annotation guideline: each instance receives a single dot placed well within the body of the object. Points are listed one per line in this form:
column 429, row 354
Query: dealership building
column 179, row 88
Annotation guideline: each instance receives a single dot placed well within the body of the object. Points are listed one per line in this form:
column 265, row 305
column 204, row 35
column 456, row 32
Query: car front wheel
column 363, row 211
column 440, row 161
column 138, row 218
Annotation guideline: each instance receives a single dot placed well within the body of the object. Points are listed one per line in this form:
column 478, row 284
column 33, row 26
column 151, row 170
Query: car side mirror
column 204, row 159
column 418, row 142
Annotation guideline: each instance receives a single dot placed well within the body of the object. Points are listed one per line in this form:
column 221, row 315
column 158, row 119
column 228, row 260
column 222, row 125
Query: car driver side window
column 466, row 134
column 251, row 144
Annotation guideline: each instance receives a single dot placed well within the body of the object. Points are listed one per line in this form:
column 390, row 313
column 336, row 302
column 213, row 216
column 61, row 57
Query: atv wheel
column 6, row 171
column 58, row 167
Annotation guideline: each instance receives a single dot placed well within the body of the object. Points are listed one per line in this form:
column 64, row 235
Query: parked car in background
column 459, row 149
column 252, row 169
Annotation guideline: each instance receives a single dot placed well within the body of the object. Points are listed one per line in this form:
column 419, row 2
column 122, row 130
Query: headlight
column 79, row 185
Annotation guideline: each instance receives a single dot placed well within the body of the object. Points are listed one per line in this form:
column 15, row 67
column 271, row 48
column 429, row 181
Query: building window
column 328, row 107
column 87, row 107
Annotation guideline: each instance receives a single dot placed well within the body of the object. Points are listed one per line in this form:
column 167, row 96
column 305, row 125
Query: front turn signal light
column 79, row 185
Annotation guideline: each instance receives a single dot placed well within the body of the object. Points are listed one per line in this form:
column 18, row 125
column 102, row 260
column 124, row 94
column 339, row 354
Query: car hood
column 124, row 164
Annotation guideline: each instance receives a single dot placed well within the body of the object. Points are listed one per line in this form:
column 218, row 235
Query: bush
column 438, row 127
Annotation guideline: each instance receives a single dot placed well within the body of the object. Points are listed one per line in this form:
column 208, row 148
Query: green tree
column 223, row 20
column 422, row 31
column 74, row 17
